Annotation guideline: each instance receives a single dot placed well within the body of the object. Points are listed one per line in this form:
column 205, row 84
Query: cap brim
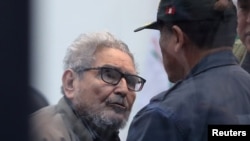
column 153, row 25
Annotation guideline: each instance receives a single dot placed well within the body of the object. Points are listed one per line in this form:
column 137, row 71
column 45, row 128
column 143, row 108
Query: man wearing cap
column 196, row 39
column 243, row 30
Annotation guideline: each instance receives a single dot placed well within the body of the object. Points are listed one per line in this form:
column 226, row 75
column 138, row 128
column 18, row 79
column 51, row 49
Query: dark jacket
column 59, row 123
column 217, row 91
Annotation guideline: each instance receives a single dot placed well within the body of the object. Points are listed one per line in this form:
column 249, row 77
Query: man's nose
column 122, row 87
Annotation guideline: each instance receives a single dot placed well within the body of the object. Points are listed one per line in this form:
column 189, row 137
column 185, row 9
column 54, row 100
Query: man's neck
column 195, row 56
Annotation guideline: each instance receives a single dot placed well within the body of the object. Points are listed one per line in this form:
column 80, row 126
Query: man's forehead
column 124, row 66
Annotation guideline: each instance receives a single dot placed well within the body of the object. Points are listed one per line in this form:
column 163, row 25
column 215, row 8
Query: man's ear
column 68, row 79
column 179, row 38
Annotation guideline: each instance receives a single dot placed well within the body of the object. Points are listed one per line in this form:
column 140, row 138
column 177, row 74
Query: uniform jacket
column 217, row 91
column 59, row 123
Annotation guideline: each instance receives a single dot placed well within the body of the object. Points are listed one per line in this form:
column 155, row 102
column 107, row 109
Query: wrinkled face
column 243, row 29
column 105, row 104
column 171, row 61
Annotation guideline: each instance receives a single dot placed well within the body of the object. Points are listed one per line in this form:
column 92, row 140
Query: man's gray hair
column 80, row 54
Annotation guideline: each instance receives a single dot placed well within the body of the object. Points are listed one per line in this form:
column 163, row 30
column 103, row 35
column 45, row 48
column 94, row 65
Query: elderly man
column 196, row 39
column 243, row 29
column 99, row 85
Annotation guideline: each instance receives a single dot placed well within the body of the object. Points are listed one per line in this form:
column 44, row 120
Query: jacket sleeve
column 153, row 125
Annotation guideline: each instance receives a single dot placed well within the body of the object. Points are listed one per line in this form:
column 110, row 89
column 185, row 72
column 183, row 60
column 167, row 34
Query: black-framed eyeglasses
column 113, row 76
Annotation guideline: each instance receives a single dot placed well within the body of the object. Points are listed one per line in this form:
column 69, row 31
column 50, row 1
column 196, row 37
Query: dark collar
column 214, row 60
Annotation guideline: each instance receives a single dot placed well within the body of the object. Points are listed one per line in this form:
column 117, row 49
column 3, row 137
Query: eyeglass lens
column 113, row 76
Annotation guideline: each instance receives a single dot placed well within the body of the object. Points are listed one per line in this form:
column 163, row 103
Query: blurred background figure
column 37, row 100
column 243, row 29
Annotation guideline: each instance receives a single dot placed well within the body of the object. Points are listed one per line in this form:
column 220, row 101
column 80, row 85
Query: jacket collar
column 75, row 124
column 214, row 60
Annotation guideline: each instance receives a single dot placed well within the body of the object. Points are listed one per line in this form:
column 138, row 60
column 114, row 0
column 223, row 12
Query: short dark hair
column 210, row 34
column 206, row 34
column 243, row 1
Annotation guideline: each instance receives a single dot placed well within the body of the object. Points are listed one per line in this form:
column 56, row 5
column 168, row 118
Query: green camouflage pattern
column 239, row 50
